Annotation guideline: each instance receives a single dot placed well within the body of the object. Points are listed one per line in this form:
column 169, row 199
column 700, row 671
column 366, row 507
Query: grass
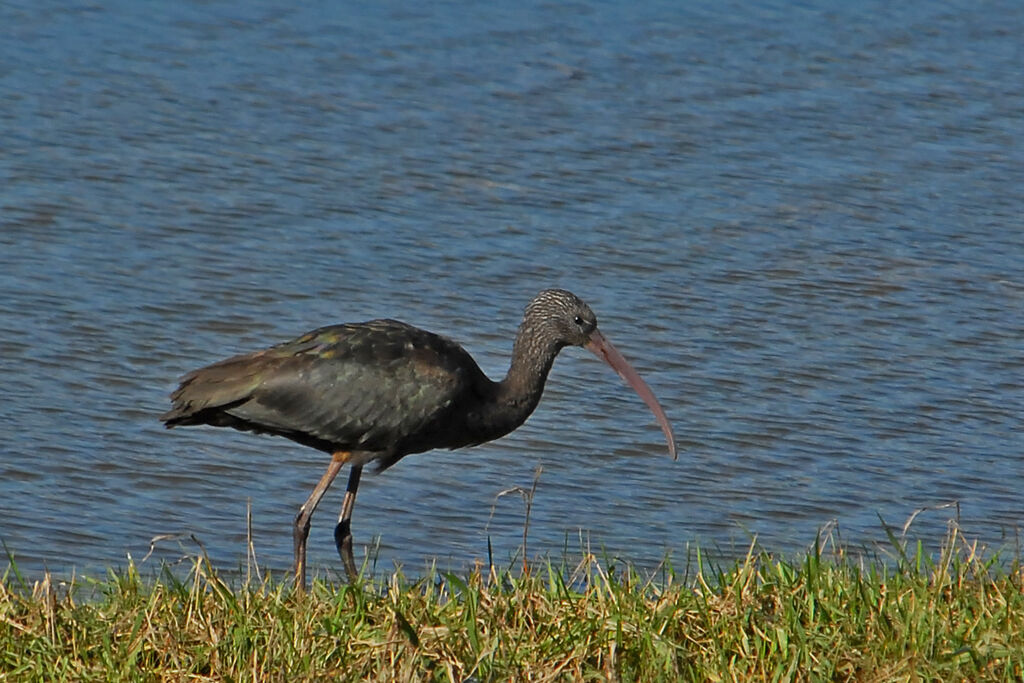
column 955, row 616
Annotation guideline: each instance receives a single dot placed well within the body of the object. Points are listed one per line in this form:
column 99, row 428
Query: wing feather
column 378, row 386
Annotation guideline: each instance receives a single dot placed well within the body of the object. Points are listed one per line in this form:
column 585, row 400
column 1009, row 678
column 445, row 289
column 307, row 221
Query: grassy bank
column 954, row 617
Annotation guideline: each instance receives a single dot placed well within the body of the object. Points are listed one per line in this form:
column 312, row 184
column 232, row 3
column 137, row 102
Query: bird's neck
column 518, row 394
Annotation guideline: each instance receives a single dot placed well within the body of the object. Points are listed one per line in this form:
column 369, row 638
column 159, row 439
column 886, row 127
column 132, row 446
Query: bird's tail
column 216, row 388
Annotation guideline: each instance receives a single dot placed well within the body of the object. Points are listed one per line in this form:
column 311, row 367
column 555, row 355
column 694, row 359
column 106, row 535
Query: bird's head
column 557, row 318
column 560, row 318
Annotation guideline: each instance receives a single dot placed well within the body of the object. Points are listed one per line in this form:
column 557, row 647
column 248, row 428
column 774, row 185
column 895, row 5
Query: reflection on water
column 802, row 226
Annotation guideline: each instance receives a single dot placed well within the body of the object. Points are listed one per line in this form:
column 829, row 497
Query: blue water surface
column 801, row 222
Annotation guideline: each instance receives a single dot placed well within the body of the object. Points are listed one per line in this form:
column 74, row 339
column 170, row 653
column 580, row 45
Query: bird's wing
column 366, row 387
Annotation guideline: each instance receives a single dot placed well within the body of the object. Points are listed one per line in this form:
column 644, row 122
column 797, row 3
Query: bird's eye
column 578, row 320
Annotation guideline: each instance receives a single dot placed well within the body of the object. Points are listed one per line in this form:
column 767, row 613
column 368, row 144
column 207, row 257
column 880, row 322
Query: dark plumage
column 380, row 390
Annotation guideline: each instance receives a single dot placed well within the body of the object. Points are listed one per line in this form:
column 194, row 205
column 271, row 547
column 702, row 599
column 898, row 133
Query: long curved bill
column 603, row 349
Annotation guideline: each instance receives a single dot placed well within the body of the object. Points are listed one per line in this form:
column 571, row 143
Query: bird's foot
column 343, row 541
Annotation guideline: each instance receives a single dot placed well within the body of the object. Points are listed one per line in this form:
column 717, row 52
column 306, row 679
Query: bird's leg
column 302, row 520
column 343, row 531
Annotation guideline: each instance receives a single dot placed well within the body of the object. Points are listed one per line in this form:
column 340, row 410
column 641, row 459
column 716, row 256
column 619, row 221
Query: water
column 801, row 223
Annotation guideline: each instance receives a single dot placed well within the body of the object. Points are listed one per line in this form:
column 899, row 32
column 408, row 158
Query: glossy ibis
column 380, row 390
